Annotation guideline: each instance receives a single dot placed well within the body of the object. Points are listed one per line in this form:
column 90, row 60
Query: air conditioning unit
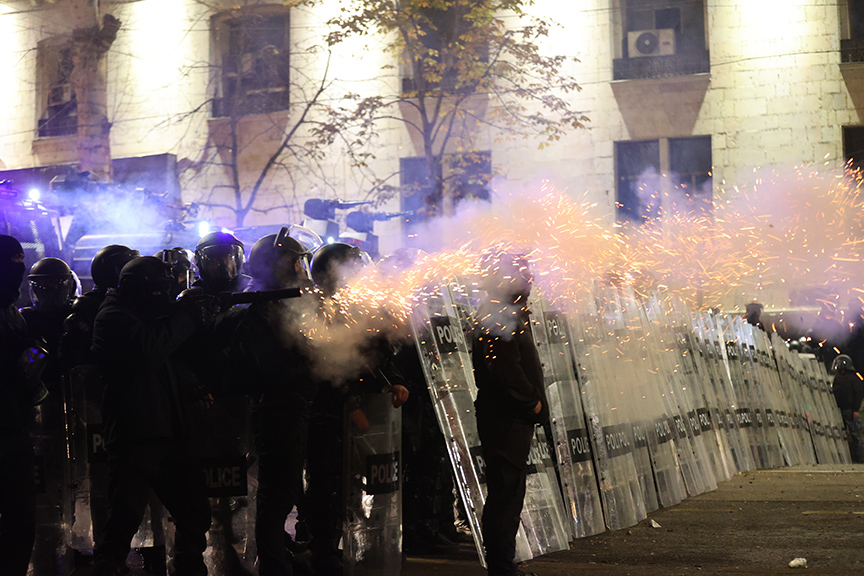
column 641, row 43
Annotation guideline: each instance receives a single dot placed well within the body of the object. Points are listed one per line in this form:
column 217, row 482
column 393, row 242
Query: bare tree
column 467, row 67
column 275, row 110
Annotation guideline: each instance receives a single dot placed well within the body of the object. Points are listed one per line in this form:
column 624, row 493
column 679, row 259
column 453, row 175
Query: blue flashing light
column 330, row 240
column 203, row 228
column 34, row 194
column 227, row 231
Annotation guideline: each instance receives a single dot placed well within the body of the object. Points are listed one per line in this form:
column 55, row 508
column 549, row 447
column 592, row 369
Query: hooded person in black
column 270, row 351
column 848, row 390
column 20, row 390
column 135, row 337
column 511, row 399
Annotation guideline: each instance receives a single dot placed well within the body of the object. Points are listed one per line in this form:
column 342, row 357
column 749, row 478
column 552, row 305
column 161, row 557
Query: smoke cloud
column 801, row 231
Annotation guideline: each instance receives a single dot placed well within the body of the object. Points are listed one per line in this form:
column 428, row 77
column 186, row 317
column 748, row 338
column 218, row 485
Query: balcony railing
column 661, row 66
column 261, row 101
column 852, row 50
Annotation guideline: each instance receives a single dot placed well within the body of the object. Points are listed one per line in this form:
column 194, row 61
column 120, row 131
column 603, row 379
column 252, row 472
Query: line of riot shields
column 650, row 403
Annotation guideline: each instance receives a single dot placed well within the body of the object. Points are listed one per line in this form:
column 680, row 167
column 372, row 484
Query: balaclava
column 11, row 272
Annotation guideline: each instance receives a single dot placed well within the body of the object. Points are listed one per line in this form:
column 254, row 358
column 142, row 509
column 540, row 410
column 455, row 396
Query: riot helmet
column 180, row 261
column 146, row 282
column 842, row 363
column 11, row 269
column 219, row 257
column 52, row 285
column 106, row 265
column 333, row 262
column 279, row 261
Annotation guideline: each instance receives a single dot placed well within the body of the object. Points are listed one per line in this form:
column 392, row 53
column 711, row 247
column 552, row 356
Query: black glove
column 201, row 306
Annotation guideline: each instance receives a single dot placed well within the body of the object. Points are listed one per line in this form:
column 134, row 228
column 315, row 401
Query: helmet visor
column 220, row 263
column 51, row 292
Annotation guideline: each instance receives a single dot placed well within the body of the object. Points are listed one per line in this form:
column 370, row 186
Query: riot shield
column 372, row 530
column 713, row 347
column 51, row 555
column 796, row 392
column 449, row 375
column 543, row 514
column 694, row 380
column 675, row 397
column 639, row 403
column 87, row 470
column 569, row 431
column 222, row 446
column 611, row 438
column 447, row 366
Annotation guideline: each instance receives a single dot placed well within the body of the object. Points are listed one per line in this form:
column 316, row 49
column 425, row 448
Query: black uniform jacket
column 143, row 398
column 848, row 390
column 16, row 412
column 507, row 365
column 273, row 354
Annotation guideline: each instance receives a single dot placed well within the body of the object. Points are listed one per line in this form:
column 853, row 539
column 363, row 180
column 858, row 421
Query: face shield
column 51, row 293
column 221, row 263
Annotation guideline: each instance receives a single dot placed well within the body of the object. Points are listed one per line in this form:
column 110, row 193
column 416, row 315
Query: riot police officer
column 79, row 367
column 135, row 337
column 20, row 390
column 332, row 266
column 184, row 271
column 77, row 334
column 273, row 357
column 219, row 257
column 52, row 287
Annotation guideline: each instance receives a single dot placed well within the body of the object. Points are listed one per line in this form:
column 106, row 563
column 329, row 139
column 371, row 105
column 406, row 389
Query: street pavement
column 755, row 523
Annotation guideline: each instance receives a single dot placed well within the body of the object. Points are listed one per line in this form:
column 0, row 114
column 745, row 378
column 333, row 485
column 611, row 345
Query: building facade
column 703, row 91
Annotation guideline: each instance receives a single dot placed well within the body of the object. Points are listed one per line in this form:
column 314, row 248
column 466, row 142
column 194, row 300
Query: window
column 439, row 31
column 853, row 146
column 252, row 58
column 58, row 108
column 638, row 180
column 852, row 34
column 661, row 38
column 644, row 194
column 468, row 176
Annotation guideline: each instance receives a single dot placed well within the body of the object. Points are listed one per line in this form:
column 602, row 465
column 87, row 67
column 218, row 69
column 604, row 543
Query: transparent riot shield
column 611, row 438
column 543, row 515
column 87, row 471
column 694, row 378
column 717, row 361
column 48, row 434
column 656, row 463
column 569, row 431
column 447, row 366
column 675, row 397
column 372, row 530
column 223, row 445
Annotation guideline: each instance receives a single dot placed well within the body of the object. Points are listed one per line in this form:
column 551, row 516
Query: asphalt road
column 755, row 523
